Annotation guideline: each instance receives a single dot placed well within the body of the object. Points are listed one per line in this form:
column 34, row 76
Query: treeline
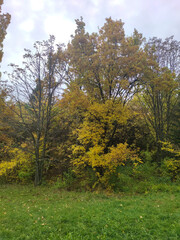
column 101, row 112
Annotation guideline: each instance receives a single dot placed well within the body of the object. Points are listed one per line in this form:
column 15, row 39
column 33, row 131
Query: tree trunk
column 38, row 174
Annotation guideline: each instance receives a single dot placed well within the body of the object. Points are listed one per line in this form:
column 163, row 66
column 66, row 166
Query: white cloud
column 117, row 2
column 35, row 19
column 15, row 3
column 95, row 3
column 59, row 26
column 27, row 25
column 37, row 5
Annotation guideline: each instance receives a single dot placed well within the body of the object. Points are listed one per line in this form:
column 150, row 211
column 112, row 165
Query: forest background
column 99, row 113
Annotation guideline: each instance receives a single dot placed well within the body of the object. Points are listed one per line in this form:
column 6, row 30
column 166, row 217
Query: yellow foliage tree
column 107, row 64
column 97, row 145
column 70, row 114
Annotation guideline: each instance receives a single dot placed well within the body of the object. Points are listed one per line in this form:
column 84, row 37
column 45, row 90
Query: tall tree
column 159, row 88
column 4, row 22
column 175, row 131
column 71, row 109
column 107, row 64
column 35, row 88
column 4, row 111
column 166, row 53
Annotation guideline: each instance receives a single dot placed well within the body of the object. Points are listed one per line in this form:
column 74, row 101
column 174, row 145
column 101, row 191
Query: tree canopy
column 105, row 105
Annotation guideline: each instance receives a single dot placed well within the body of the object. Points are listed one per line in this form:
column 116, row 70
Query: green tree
column 175, row 130
column 158, row 98
column 167, row 54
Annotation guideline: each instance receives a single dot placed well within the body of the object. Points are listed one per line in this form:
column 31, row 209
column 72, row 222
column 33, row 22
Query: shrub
column 18, row 168
column 171, row 168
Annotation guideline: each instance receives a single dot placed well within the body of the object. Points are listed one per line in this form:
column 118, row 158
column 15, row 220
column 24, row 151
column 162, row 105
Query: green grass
column 46, row 213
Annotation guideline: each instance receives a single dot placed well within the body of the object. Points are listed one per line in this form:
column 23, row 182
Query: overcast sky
column 34, row 20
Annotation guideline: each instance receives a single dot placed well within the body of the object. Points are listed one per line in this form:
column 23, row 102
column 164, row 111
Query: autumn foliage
column 101, row 109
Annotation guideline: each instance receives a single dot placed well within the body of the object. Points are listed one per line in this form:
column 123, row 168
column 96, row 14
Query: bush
column 25, row 177
column 171, row 168
column 146, row 156
column 146, row 172
column 18, row 168
column 67, row 181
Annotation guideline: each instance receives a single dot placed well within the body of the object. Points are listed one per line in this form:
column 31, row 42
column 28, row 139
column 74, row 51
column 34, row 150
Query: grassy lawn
column 46, row 213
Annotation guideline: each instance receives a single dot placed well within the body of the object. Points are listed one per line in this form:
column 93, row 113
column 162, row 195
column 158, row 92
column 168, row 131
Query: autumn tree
column 6, row 136
column 121, row 95
column 107, row 64
column 99, row 146
column 35, row 87
column 166, row 53
column 5, row 113
column 71, row 109
column 159, row 87
column 175, row 129
column 4, row 22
